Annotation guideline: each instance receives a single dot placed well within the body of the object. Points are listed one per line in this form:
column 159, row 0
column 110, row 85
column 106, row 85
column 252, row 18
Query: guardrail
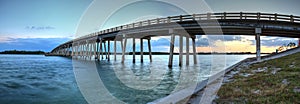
column 197, row 17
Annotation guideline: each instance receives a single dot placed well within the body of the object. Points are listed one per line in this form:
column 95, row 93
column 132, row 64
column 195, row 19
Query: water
column 40, row 79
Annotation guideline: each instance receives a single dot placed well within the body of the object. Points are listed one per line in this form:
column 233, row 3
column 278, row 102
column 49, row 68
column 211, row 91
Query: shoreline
column 19, row 54
column 244, row 65
column 198, row 93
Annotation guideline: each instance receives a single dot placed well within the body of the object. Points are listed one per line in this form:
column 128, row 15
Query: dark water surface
column 27, row 79
column 37, row 79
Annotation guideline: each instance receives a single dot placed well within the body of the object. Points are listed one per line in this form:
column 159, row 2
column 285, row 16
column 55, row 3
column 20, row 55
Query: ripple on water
column 38, row 84
column 49, row 88
column 34, row 78
column 13, row 85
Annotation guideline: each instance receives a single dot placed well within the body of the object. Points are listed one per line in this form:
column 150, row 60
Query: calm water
column 40, row 79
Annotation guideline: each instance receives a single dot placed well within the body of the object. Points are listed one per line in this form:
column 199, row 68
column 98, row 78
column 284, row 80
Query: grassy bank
column 273, row 81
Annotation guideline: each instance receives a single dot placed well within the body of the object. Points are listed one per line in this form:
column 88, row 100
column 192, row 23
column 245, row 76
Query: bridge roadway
column 93, row 45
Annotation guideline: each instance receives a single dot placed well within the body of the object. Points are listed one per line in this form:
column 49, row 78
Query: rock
column 285, row 82
column 234, row 72
column 256, row 91
column 264, row 69
column 245, row 74
column 217, row 97
column 275, row 70
column 297, row 89
column 292, row 66
column 227, row 80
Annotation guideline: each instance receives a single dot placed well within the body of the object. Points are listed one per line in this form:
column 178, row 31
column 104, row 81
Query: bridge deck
column 186, row 26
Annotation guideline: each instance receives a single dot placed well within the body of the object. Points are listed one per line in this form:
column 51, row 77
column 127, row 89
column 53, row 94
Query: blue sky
column 38, row 24
column 44, row 24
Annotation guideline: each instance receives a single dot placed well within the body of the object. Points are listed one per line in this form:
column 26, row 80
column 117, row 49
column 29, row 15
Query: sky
column 44, row 24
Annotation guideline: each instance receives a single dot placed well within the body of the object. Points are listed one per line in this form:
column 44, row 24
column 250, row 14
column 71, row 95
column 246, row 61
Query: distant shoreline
column 16, row 52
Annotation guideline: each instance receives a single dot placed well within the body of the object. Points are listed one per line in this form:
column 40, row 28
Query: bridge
column 92, row 46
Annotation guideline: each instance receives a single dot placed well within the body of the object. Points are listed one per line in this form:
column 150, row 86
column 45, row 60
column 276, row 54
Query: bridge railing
column 208, row 16
column 199, row 17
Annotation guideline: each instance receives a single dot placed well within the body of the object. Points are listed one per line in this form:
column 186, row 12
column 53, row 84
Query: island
column 21, row 52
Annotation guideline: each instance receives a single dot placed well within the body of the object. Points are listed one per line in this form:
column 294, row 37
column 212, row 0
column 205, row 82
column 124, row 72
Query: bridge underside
column 92, row 47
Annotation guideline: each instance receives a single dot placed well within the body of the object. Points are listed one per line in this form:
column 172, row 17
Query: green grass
column 265, row 87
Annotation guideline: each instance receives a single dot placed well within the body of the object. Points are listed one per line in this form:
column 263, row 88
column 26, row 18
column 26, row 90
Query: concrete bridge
column 94, row 45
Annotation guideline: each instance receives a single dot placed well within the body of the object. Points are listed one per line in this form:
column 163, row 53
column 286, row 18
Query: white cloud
column 10, row 38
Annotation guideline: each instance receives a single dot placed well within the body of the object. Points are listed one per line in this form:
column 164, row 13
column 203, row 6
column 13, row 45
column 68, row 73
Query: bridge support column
column 257, row 38
column 133, row 50
column 141, row 50
column 108, row 50
column 194, row 50
column 72, row 50
column 86, row 51
column 97, row 50
column 115, row 50
column 80, row 50
column 83, row 50
column 298, row 42
column 124, row 50
column 75, row 50
column 122, row 45
column 91, row 50
column 68, row 51
column 180, row 49
column 101, row 48
column 187, row 50
column 105, row 50
column 171, row 47
column 149, row 48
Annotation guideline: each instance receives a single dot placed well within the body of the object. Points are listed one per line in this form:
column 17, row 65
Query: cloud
column 243, row 46
column 275, row 41
column 43, row 44
column 200, row 42
column 206, row 40
column 160, row 42
column 224, row 37
column 39, row 28
column 5, row 39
